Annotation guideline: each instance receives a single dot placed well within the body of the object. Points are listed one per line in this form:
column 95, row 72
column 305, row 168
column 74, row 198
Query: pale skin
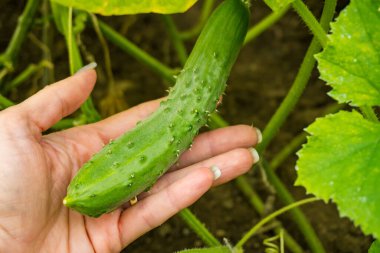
column 35, row 170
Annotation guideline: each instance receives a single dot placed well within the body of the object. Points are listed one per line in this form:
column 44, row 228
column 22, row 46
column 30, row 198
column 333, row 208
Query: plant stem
column 250, row 194
column 20, row 33
column 199, row 228
column 288, row 150
column 273, row 215
column 302, row 78
column 298, row 141
column 264, row 24
column 63, row 124
column 48, row 72
column 106, row 52
column 289, row 241
column 176, row 39
column 254, row 199
column 75, row 62
column 369, row 113
column 69, row 38
column 195, row 30
column 136, row 52
column 24, row 75
column 292, row 97
column 216, row 121
column 297, row 215
column 308, row 17
column 75, row 59
column 244, row 186
column 5, row 102
column 3, row 72
column 281, row 114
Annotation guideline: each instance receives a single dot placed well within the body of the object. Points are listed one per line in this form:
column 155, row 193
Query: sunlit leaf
column 375, row 247
column 277, row 5
column 351, row 61
column 341, row 161
column 121, row 7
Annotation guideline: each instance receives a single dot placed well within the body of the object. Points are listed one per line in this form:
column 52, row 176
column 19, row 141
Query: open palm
column 36, row 169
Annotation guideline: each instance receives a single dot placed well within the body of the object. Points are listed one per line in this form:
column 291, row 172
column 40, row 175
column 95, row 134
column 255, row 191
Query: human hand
column 35, row 170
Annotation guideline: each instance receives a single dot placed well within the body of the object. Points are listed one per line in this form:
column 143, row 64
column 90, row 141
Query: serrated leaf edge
column 310, row 190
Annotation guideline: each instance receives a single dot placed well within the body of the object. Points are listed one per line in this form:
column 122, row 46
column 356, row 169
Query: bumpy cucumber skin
column 132, row 163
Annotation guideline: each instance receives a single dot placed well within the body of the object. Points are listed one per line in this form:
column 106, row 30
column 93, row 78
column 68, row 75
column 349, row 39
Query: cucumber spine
column 132, row 163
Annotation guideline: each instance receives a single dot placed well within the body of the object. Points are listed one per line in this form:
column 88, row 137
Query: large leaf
column 277, row 5
column 121, row 7
column 341, row 161
column 350, row 63
column 375, row 247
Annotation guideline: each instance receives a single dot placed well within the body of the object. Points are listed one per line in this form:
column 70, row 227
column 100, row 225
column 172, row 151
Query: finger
column 218, row 141
column 58, row 100
column 231, row 164
column 156, row 209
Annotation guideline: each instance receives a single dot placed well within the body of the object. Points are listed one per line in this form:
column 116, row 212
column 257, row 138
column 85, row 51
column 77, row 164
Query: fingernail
column 89, row 66
column 216, row 171
column 259, row 135
column 255, row 155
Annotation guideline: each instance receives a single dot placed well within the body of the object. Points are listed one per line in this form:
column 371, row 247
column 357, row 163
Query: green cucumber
column 132, row 163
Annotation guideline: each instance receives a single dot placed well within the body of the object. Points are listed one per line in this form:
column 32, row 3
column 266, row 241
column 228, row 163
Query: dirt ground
column 260, row 79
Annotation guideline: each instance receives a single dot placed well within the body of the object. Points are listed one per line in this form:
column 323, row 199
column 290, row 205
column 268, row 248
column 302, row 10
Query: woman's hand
column 36, row 169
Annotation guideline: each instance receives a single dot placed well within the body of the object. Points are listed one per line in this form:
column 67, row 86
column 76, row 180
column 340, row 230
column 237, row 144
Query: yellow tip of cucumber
column 65, row 202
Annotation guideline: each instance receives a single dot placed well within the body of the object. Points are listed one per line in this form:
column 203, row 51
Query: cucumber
column 132, row 163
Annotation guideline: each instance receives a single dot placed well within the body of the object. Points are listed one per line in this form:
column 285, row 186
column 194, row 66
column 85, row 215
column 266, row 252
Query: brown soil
column 260, row 79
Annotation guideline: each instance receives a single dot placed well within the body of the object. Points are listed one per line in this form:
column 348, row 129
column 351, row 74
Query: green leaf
column 277, row 5
column 122, row 7
column 350, row 63
column 375, row 247
column 220, row 249
column 341, row 161
column 60, row 14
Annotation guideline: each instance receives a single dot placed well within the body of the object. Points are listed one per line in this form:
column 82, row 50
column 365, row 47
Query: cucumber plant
column 341, row 160
column 133, row 162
